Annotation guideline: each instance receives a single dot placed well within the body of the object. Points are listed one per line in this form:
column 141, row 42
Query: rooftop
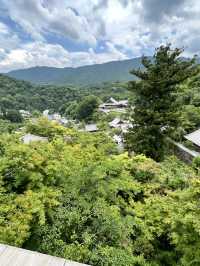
column 30, row 138
column 111, row 103
column 115, row 122
column 12, row 256
column 91, row 128
column 194, row 137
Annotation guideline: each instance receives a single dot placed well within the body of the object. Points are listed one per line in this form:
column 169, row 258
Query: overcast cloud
column 65, row 33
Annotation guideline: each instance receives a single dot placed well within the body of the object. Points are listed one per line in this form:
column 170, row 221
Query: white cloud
column 38, row 19
column 34, row 54
column 8, row 39
column 117, row 29
column 43, row 54
column 90, row 57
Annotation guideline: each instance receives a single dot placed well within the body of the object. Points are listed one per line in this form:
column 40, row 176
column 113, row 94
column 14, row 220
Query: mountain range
column 85, row 75
column 81, row 76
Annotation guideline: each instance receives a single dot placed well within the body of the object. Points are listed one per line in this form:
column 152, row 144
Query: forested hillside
column 86, row 75
column 16, row 94
column 116, row 71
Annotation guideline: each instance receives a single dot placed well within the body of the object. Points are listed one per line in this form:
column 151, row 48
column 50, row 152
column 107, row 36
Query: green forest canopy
column 15, row 94
column 77, row 198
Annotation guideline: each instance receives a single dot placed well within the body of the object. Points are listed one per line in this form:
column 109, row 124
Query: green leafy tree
column 157, row 111
column 70, row 110
column 190, row 99
column 87, row 107
column 13, row 116
column 7, row 102
column 7, row 127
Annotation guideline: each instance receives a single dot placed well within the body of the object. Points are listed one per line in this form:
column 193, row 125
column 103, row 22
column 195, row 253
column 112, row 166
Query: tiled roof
column 91, row 128
column 194, row 137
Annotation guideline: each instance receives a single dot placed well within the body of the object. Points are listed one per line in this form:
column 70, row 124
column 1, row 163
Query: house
column 194, row 137
column 91, row 128
column 113, row 105
column 112, row 102
column 25, row 114
column 115, row 123
column 120, row 124
column 119, row 141
column 45, row 113
column 64, row 121
column 52, row 117
column 55, row 117
column 126, row 126
column 28, row 138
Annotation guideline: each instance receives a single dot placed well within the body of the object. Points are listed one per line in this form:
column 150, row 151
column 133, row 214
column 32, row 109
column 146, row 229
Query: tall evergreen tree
column 157, row 111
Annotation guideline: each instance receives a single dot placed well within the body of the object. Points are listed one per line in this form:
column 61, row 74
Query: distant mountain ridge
column 84, row 75
column 81, row 76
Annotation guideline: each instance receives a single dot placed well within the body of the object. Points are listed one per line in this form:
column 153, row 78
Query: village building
column 113, row 105
column 118, row 139
column 52, row 117
column 45, row 113
column 25, row 114
column 64, row 121
column 56, row 117
column 194, row 137
column 115, row 123
column 28, row 138
column 91, row 128
column 123, row 125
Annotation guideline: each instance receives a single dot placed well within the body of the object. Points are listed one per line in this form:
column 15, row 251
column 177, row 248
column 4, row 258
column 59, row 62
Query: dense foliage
column 87, row 107
column 7, row 127
column 190, row 100
column 77, row 198
column 157, row 112
column 16, row 95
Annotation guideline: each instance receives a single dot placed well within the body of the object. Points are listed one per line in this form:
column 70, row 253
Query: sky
column 72, row 33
